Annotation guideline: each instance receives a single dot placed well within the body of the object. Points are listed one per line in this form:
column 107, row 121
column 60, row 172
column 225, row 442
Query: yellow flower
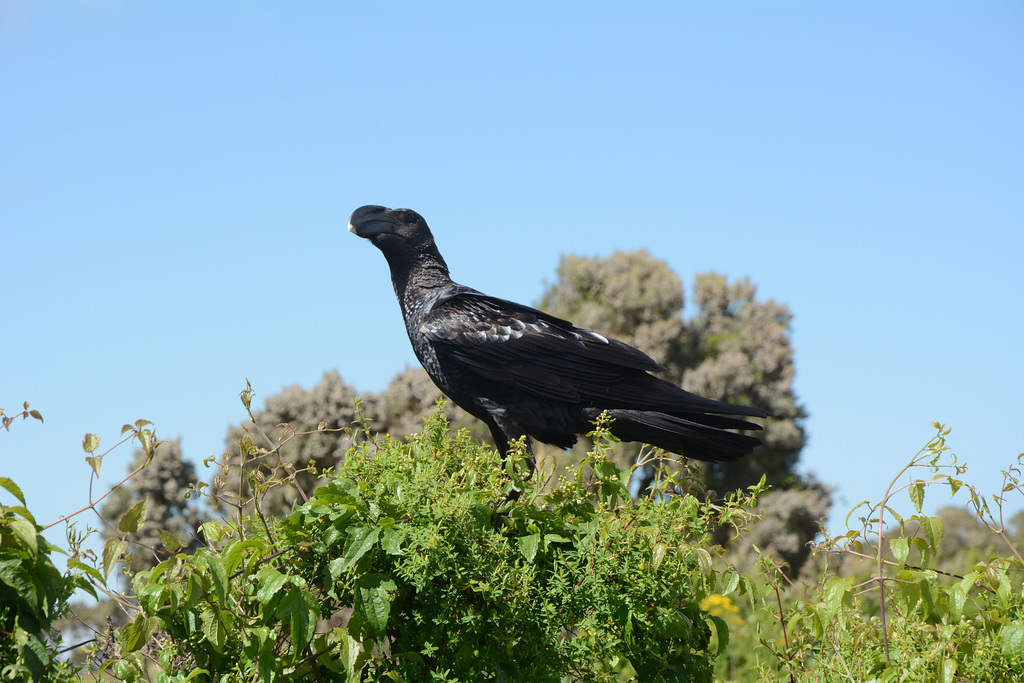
column 721, row 606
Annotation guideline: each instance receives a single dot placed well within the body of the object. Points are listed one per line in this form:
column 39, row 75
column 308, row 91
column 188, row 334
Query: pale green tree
column 298, row 434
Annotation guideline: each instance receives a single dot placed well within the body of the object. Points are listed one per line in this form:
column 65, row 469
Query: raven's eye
column 409, row 217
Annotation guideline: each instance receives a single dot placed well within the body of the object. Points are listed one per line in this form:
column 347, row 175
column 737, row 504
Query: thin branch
column 92, row 476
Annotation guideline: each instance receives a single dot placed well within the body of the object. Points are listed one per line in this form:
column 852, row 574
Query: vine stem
column 92, row 503
column 881, row 585
column 785, row 635
column 880, row 562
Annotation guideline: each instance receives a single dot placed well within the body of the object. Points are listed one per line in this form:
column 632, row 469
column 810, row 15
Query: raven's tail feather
column 700, row 436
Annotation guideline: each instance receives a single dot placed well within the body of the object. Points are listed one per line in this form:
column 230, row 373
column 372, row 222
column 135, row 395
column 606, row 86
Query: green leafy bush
column 33, row 592
column 411, row 561
column 412, row 564
column 883, row 609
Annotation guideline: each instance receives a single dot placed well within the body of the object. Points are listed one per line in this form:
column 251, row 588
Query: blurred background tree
column 292, row 464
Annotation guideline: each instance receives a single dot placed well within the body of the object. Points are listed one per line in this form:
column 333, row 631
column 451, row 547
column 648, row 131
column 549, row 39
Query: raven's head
column 401, row 234
column 374, row 222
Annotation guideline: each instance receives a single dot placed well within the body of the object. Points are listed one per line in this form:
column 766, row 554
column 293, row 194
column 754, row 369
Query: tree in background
column 739, row 350
column 631, row 296
column 329, row 409
column 789, row 520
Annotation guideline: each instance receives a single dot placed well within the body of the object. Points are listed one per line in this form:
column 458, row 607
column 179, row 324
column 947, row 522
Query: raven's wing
column 550, row 358
column 506, row 342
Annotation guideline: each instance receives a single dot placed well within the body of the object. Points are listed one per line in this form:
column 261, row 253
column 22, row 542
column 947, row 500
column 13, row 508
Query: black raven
column 527, row 373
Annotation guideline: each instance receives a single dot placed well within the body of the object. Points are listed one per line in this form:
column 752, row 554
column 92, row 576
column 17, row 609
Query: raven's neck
column 417, row 276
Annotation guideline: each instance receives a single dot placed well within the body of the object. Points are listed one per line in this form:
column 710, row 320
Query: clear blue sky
column 176, row 178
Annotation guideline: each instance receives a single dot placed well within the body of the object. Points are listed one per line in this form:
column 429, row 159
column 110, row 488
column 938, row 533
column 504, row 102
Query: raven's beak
column 371, row 220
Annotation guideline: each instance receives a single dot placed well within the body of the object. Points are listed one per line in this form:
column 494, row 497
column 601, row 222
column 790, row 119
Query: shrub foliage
column 413, row 563
column 411, row 560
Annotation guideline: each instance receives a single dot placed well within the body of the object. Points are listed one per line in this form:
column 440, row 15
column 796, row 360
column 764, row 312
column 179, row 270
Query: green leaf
column 80, row 581
column 907, row 591
column 267, row 669
column 748, row 588
column 219, row 575
column 145, row 438
column 933, row 531
column 33, row 652
column 95, row 462
column 270, row 581
column 528, row 546
column 27, row 534
column 704, row 562
column 929, row 594
column 900, row 548
column 948, row 670
column 13, row 488
column 1011, row 640
column 1003, row 590
column 151, row 596
column 113, row 549
column 722, row 630
column 360, row 540
column 375, row 602
column 299, row 607
column 233, row 553
column 213, row 532
column 729, row 582
column 213, row 629
column 335, row 568
column 134, row 636
column 91, row 571
column 36, row 414
column 19, row 510
column 350, row 652
column 391, row 541
column 832, row 596
column 895, row 516
column 170, row 541
column 658, row 555
column 917, row 494
column 193, row 592
column 957, row 600
column 923, row 548
column 15, row 576
column 133, row 519
column 90, row 443
column 302, row 621
column 555, row 538
column 192, row 674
